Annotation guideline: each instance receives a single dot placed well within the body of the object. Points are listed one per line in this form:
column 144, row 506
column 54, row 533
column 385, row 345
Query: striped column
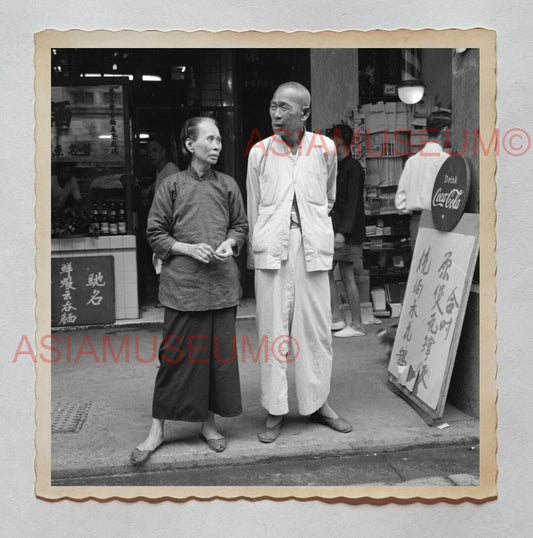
column 410, row 64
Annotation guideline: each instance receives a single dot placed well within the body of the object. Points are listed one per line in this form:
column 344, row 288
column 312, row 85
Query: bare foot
column 155, row 436
column 209, row 429
column 210, row 432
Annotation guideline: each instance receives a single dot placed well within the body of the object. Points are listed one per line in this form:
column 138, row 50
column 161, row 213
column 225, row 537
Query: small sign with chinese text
column 83, row 290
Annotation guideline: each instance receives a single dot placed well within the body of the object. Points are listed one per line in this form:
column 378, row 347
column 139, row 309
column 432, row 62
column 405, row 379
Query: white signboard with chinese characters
column 83, row 290
column 432, row 314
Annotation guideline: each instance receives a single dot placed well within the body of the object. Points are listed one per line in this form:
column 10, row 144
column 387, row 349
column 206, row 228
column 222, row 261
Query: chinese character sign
column 83, row 290
column 432, row 313
column 88, row 123
column 68, row 316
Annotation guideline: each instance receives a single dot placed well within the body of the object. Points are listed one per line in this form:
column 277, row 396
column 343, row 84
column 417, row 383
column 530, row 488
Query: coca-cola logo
column 449, row 200
column 450, row 193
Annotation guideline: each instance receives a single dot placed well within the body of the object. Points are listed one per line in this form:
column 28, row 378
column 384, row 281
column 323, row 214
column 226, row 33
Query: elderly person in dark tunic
column 197, row 225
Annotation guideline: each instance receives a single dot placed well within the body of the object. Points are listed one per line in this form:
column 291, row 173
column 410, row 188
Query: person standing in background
column 158, row 156
column 65, row 188
column 348, row 216
column 418, row 176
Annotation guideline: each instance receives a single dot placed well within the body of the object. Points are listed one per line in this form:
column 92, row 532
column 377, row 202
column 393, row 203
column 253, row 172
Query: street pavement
column 117, row 395
column 397, row 468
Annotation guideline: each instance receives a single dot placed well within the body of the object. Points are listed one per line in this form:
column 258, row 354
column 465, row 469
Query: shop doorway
column 232, row 86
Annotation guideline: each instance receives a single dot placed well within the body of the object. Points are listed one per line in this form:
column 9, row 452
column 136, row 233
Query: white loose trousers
column 293, row 306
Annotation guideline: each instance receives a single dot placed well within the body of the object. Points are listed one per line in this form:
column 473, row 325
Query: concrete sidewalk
column 119, row 397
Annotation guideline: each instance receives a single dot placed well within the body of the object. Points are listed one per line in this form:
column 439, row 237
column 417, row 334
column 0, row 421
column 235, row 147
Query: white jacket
column 274, row 177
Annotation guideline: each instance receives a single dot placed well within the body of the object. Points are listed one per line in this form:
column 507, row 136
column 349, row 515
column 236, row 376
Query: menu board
column 432, row 314
column 83, row 290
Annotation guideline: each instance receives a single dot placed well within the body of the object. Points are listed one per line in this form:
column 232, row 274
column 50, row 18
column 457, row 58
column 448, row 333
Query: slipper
column 140, row 457
column 337, row 325
column 338, row 424
column 348, row 332
column 269, row 435
column 216, row 445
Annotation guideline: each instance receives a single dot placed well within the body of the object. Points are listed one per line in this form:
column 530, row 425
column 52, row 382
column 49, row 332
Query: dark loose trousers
column 199, row 370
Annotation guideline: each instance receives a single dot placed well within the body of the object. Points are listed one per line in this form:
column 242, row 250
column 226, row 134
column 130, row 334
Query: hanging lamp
column 411, row 88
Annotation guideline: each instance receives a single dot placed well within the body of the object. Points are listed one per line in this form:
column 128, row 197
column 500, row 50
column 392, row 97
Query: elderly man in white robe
column 291, row 189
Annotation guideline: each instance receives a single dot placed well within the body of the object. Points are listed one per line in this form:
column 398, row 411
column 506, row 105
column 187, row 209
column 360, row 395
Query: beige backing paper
column 485, row 41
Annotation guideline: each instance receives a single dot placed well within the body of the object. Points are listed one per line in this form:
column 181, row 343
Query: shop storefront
column 106, row 107
column 93, row 215
column 108, row 104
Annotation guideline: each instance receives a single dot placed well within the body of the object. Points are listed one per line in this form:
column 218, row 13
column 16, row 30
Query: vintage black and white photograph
column 262, row 267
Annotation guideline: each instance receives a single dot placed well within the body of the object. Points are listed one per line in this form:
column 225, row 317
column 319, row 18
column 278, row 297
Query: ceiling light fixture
column 106, row 75
column 410, row 91
column 411, row 88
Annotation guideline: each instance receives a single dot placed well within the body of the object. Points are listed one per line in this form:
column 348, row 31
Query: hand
column 338, row 241
column 201, row 252
column 224, row 250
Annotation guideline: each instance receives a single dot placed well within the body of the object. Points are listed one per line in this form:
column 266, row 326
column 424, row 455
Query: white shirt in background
column 418, row 177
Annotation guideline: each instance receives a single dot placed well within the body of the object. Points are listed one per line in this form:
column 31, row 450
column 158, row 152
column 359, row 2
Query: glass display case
column 90, row 178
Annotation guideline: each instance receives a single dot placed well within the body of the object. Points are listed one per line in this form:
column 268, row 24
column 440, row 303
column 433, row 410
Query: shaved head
column 300, row 92
column 289, row 110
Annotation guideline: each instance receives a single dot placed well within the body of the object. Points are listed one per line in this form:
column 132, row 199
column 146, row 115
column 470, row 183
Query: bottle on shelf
column 104, row 221
column 94, row 225
column 121, row 219
column 113, row 223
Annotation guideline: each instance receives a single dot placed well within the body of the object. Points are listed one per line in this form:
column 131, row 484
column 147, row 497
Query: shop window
column 89, row 175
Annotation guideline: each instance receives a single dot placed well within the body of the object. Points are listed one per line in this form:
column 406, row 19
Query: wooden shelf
column 367, row 156
column 382, row 213
column 388, row 274
column 86, row 161
column 393, row 146
column 389, row 235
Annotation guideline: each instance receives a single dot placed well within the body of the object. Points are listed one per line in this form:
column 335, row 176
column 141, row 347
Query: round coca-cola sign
column 450, row 193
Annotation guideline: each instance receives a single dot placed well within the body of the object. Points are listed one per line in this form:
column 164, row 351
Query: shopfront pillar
column 464, row 385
